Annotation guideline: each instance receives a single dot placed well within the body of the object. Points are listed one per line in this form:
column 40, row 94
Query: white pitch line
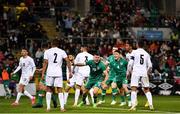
column 126, row 109
column 119, row 109
column 134, row 112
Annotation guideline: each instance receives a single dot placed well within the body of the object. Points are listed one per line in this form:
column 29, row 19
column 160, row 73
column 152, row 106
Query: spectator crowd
column 105, row 26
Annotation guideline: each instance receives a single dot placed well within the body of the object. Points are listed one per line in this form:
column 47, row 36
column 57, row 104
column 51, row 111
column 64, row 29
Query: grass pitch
column 162, row 104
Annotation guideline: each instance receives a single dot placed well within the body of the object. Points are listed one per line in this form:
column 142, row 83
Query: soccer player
column 42, row 88
column 52, row 65
column 129, row 50
column 70, row 81
column 96, row 76
column 140, row 67
column 119, row 66
column 27, row 66
column 81, row 73
column 111, row 81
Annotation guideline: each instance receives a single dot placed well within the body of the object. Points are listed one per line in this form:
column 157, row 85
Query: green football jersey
column 15, row 77
column 111, row 71
column 96, row 69
column 120, row 67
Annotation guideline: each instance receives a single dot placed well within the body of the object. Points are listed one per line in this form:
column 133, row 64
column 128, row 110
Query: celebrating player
column 111, row 81
column 97, row 73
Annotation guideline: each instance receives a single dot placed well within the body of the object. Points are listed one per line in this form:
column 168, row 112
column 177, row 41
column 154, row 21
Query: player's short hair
column 84, row 46
column 130, row 42
column 118, row 51
column 140, row 43
column 55, row 42
column 25, row 49
column 96, row 53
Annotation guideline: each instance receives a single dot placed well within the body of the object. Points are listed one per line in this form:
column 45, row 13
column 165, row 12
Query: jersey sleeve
column 64, row 55
column 33, row 66
column 76, row 59
column 131, row 61
column 32, row 62
column 45, row 55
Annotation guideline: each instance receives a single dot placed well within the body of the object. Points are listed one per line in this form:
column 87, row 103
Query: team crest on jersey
column 118, row 67
column 94, row 69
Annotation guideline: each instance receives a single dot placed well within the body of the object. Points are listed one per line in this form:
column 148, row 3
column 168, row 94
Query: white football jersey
column 128, row 55
column 27, row 64
column 140, row 62
column 55, row 58
column 73, row 70
column 82, row 58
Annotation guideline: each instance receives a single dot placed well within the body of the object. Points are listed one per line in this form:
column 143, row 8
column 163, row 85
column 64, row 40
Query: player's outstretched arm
column 17, row 69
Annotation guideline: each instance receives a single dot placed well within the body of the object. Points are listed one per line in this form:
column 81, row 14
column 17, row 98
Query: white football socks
column 61, row 100
column 48, row 99
column 149, row 97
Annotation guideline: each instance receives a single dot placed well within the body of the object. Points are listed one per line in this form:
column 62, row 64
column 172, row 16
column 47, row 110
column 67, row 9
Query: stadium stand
column 107, row 24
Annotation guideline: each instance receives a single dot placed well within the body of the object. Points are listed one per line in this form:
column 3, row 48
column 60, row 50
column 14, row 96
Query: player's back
column 82, row 58
column 55, row 58
column 141, row 61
